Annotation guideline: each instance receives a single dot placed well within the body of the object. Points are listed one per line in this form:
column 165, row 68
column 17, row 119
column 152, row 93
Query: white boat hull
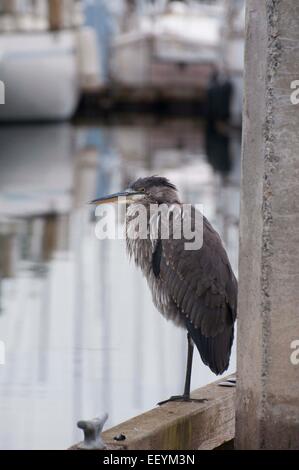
column 40, row 74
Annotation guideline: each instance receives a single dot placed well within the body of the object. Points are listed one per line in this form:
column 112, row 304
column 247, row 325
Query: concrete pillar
column 267, row 413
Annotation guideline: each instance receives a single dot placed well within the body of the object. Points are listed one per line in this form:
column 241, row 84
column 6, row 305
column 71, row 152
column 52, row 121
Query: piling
column 267, row 411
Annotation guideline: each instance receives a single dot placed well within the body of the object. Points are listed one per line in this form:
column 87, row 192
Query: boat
column 166, row 44
column 45, row 57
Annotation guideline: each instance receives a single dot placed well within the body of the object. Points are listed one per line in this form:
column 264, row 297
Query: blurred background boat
column 167, row 44
column 164, row 56
column 118, row 55
column 46, row 58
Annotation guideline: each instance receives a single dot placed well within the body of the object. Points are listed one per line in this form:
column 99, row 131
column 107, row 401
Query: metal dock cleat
column 92, row 433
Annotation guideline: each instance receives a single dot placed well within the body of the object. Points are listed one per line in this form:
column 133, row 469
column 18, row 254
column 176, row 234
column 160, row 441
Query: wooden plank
column 179, row 425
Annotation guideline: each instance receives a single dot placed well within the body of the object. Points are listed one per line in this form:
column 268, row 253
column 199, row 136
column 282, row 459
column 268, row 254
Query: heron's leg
column 186, row 395
column 189, row 367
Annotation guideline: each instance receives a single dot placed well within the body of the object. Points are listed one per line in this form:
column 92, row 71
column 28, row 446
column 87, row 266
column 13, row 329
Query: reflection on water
column 80, row 331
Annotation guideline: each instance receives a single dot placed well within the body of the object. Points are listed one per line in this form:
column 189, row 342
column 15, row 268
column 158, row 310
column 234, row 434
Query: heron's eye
column 142, row 190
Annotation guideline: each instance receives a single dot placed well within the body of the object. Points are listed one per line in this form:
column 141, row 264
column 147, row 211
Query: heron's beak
column 122, row 197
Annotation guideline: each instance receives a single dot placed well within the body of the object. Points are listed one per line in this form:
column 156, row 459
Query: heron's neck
column 143, row 225
column 139, row 248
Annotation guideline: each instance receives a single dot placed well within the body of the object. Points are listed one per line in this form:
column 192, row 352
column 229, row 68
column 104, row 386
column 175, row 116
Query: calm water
column 81, row 334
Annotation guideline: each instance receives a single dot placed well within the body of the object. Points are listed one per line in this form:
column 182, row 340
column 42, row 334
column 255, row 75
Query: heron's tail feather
column 214, row 351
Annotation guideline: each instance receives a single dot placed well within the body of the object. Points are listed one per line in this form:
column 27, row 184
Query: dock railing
column 194, row 425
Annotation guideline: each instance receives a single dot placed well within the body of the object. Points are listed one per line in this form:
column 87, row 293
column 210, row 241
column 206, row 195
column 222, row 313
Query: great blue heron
column 196, row 289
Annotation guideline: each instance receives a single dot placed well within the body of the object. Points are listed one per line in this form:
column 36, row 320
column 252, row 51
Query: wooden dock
column 180, row 426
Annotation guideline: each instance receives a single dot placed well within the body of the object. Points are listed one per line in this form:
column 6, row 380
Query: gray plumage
column 196, row 289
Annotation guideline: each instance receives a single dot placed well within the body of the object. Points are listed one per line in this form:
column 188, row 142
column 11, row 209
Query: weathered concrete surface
column 180, row 426
column 267, row 413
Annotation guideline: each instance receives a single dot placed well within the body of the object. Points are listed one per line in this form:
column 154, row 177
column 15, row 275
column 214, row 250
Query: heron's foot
column 183, row 398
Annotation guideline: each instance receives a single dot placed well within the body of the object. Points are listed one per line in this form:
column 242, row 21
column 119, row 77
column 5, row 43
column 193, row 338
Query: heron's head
column 149, row 190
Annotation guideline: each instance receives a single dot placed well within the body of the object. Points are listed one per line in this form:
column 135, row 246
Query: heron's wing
column 214, row 351
column 200, row 282
column 156, row 257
